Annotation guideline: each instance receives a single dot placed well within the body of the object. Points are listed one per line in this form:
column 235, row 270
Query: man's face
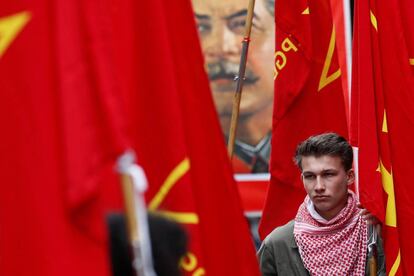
column 221, row 28
column 326, row 183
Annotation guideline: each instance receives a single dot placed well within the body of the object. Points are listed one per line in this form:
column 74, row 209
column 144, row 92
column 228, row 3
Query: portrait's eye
column 256, row 25
column 203, row 27
column 237, row 24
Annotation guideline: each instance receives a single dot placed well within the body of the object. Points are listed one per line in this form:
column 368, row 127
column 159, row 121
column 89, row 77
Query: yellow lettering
column 280, row 60
column 199, row 272
column 188, row 262
column 280, row 56
column 288, row 45
column 275, row 73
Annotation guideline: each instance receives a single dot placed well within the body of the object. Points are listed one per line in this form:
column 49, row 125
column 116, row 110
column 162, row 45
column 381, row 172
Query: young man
column 329, row 235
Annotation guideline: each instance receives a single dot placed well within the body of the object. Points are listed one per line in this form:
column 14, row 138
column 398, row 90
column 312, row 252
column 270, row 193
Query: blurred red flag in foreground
column 68, row 71
column 178, row 140
column 62, row 129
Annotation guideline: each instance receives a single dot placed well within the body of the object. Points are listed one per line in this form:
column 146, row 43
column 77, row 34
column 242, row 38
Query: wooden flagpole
column 131, row 219
column 240, row 79
column 134, row 184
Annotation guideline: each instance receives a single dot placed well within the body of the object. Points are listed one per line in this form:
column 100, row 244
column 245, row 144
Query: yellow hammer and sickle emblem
column 175, row 175
column 391, row 212
column 325, row 79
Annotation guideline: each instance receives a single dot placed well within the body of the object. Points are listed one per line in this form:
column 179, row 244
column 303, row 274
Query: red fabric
column 382, row 100
column 174, row 121
column 300, row 110
column 338, row 15
column 240, row 166
column 61, row 132
column 334, row 247
column 252, row 194
column 65, row 80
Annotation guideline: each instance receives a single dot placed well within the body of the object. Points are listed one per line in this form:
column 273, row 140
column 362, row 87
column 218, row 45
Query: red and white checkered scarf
column 334, row 247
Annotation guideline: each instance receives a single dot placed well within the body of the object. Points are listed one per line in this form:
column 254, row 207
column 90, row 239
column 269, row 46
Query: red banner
column 62, row 129
column 382, row 120
column 68, row 71
column 308, row 98
column 179, row 142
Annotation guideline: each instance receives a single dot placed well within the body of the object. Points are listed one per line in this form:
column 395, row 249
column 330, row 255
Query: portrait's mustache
column 228, row 70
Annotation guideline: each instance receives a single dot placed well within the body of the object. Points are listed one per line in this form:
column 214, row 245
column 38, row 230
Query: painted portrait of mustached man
column 221, row 29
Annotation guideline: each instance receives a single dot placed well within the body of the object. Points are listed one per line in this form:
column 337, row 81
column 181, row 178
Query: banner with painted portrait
column 221, row 27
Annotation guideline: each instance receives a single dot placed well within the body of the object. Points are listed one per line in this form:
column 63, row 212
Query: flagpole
column 129, row 202
column 131, row 221
column 240, row 79
column 134, row 184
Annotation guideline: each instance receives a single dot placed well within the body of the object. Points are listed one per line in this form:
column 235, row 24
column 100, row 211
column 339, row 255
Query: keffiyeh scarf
column 334, row 247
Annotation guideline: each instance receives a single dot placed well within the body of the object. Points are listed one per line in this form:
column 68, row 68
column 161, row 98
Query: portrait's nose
column 223, row 43
column 231, row 42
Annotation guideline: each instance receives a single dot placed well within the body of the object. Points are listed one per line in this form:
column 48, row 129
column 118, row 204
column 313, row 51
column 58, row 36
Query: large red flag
column 61, row 133
column 308, row 98
column 178, row 139
column 66, row 69
column 382, row 121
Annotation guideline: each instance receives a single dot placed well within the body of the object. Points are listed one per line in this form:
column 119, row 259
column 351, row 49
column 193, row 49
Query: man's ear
column 350, row 177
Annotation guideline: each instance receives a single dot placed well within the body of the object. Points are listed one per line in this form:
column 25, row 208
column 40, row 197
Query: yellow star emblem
column 10, row 27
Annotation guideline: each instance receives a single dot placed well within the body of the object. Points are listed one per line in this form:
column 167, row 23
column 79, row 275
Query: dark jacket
column 279, row 254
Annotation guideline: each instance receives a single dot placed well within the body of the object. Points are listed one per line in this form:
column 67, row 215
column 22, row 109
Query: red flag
column 179, row 142
column 62, row 131
column 382, row 121
column 308, row 99
column 66, row 69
